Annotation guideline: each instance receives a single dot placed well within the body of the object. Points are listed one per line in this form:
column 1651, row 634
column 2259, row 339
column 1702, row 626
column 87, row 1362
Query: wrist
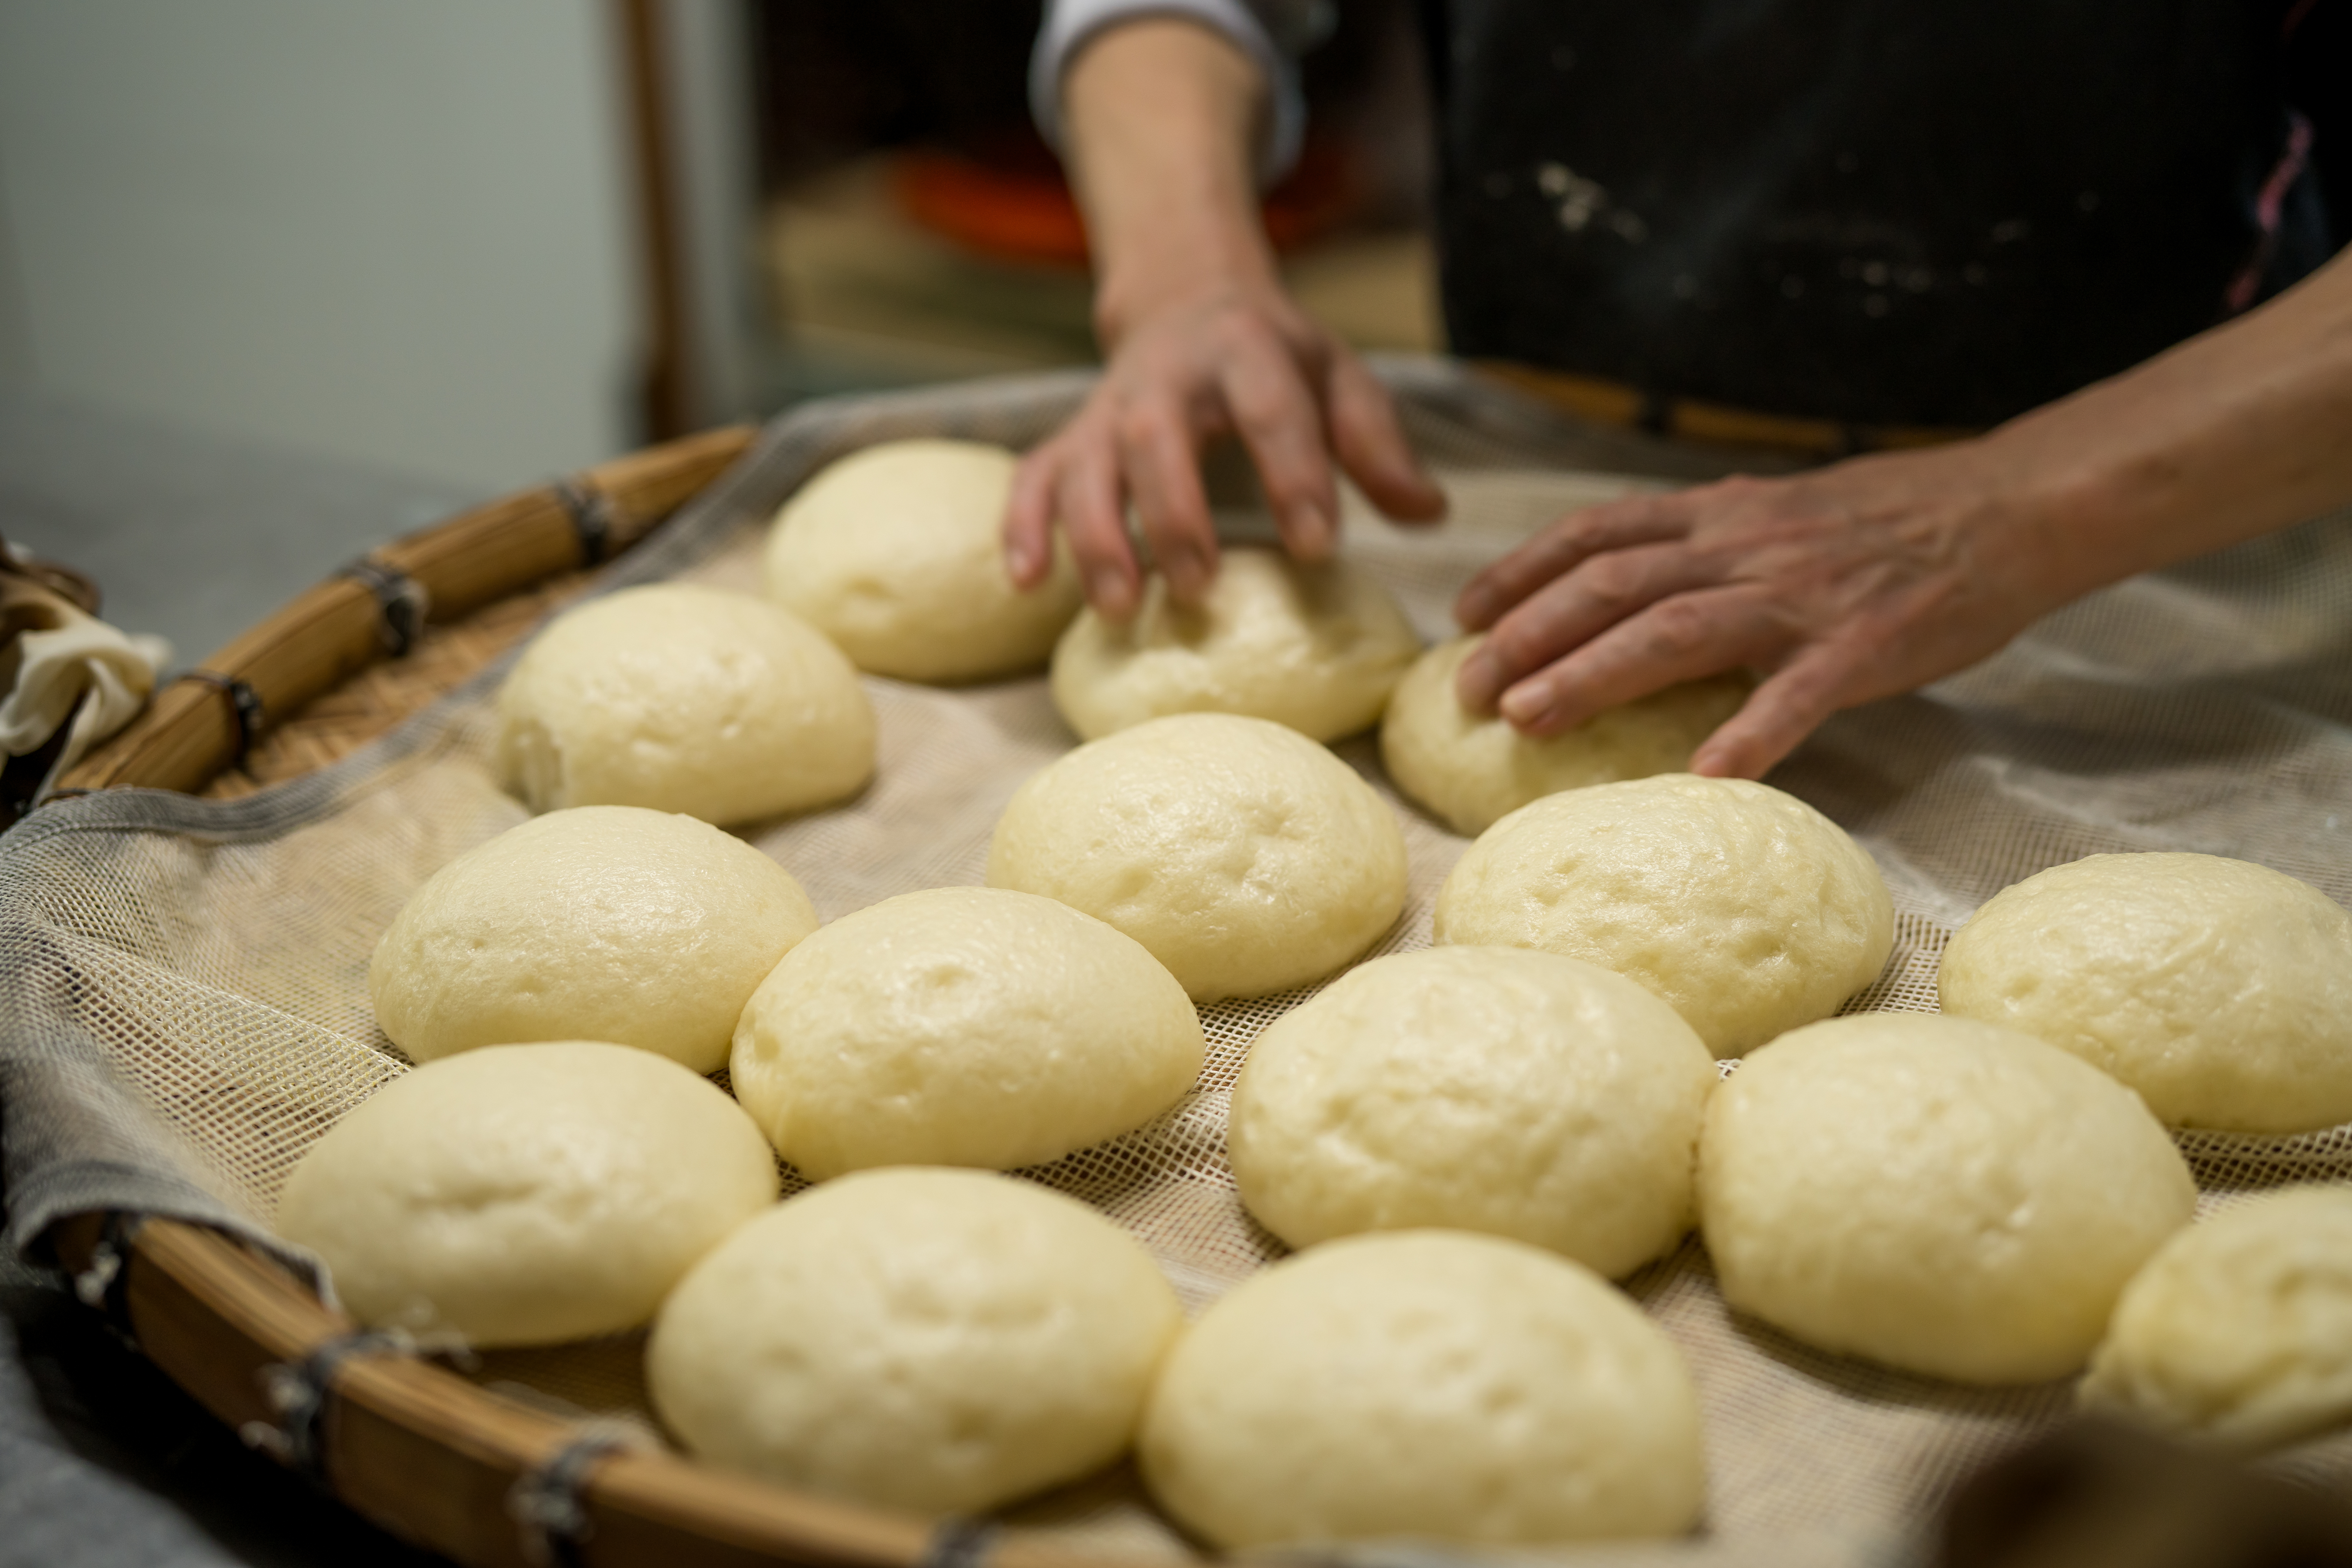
column 1174, row 277
column 2046, row 519
column 1160, row 116
column 2096, row 484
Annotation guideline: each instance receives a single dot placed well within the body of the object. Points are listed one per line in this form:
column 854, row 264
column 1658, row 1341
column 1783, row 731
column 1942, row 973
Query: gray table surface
column 102, row 1459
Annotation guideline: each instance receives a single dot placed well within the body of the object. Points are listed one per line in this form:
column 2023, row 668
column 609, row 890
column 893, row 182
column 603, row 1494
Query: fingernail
column 1187, row 584
column 1473, row 686
column 1470, row 609
column 1021, row 561
column 1107, row 590
column 1526, row 705
column 1313, row 528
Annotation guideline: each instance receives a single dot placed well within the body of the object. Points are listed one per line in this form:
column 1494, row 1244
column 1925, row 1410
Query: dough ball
column 2239, row 1332
column 1316, row 647
column 895, row 553
column 1472, row 770
column 1424, row 1383
column 1940, row 1196
column 1747, row 910
column 962, row 1026
column 1487, row 1089
column 938, row 1341
column 523, row 1195
column 2219, row 989
column 1241, row 855
column 684, row 698
column 603, row 923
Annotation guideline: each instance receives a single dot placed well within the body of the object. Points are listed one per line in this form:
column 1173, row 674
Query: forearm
column 1159, row 123
column 1161, row 118
column 2238, row 432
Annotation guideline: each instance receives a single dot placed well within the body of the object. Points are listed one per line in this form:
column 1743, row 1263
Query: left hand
column 1847, row 584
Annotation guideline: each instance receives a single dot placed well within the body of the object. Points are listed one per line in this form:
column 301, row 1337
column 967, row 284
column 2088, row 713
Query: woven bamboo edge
column 416, row 1449
column 195, row 729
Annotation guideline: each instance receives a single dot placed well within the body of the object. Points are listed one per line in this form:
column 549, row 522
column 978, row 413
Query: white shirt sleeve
column 1070, row 25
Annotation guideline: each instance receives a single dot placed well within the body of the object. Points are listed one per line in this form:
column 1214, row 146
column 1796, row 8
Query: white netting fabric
column 185, row 1007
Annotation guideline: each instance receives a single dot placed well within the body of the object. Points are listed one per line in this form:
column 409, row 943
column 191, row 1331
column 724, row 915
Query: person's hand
column 1855, row 582
column 1224, row 358
column 1879, row 574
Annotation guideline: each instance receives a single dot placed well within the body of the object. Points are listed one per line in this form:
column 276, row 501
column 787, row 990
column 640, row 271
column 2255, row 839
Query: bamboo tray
column 416, row 1449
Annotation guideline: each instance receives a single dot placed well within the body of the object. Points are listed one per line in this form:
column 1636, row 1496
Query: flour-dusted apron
column 1884, row 212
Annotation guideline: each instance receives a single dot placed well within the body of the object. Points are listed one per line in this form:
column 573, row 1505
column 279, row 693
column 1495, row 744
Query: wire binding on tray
column 958, row 1543
column 244, row 701
column 401, row 597
column 594, row 519
column 106, row 1283
column 545, row 1501
column 298, row 1393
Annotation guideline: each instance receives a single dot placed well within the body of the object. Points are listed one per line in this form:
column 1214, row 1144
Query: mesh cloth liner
column 186, row 1010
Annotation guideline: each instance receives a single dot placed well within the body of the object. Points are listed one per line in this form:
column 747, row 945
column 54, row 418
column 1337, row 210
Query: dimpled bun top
column 684, row 698
column 1486, row 1089
column 2219, row 989
column 1472, row 770
column 1242, row 856
column 2239, row 1332
column 1747, row 910
column 895, row 553
column 1424, row 1383
column 524, row 1195
column 604, row 923
column 1316, row 647
column 936, row 1340
column 962, row 1026
column 1940, row 1196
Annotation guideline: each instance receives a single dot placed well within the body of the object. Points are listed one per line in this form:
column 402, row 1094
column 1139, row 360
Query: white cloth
column 1271, row 32
column 46, row 672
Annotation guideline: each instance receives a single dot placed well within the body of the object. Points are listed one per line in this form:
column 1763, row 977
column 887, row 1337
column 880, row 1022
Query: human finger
column 1789, row 705
column 1570, row 610
column 1276, row 417
column 1371, row 446
column 1093, row 521
column 1164, row 474
column 1685, row 637
column 1028, row 527
column 1564, row 546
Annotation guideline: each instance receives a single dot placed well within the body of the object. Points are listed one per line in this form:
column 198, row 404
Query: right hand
column 1222, row 359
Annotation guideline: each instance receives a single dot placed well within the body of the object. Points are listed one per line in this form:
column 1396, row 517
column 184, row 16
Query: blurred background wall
column 478, row 242
column 398, row 235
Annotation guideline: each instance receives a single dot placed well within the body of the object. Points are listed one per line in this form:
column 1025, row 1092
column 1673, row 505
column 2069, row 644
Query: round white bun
column 895, row 553
column 1747, row 910
column 1242, row 856
column 603, row 923
column 2239, row 1332
column 962, row 1026
column 1941, row 1195
column 2219, row 989
column 937, row 1341
column 1486, row 1089
column 1317, row 647
column 525, row 1194
column 1424, row 1383
column 1472, row 770
column 684, row 698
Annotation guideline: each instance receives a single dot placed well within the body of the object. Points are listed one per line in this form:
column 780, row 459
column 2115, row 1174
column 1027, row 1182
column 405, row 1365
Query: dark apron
column 1884, row 212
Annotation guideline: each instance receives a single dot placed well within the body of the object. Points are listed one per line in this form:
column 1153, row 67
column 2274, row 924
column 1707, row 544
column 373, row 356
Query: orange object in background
column 1010, row 201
